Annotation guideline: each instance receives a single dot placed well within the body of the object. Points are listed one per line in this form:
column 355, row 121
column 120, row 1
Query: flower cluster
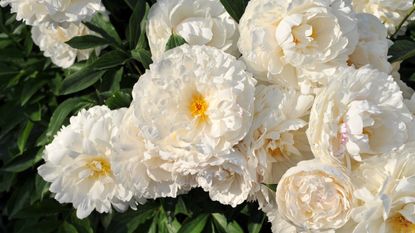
column 55, row 23
column 299, row 94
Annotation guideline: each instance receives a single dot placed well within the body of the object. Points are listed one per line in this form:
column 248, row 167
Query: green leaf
column 64, row 110
column 233, row 227
column 47, row 207
column 41, row 187
column 195, row 225
column 80, row 80
column 118, row 99
column 87, row 42
column 134, row 26
column 181, row 208
column 22, row 163
column 174, row 41
column 131, row 3
column 109, row 60
column 24, row 136
column 402, row 50
column 143, row 56
column 45, row 226
column 81, row 225
column 30, row 88
column 255, row 227
column 68, row 228
column 220, row 222
column 235, row 8
column 101, row 25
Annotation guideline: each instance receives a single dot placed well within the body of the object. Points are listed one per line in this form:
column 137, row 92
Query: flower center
column 198, row 107
column 400, row 224
column 303, row 35
column 99, row 166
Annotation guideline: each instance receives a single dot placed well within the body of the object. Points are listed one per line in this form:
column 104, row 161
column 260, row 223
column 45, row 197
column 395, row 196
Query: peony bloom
column 385, row 188
column 390, row 12
column 196, row 99
column 314, row 196
column 279, row 37
column 77, row 163
column 360, row 114
column 32, row 12
column 140, row 166
column 51, row 40
column 228, row 178
column 277, row 138
column 35, row 12
column 199, row 22
column 373, row 45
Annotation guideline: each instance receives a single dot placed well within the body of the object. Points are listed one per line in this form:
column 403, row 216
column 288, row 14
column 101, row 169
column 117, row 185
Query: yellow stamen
column 99, row 166
column 400, row 224
column 198, row 107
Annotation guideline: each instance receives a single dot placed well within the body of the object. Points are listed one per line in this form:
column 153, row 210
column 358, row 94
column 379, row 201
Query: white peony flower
column 77, row 163
column 140, row 166
column 386, row 193
column 32, row 12
column 373, row 45
column 314, row 196
column 277, row 138
column 279, row 37
column 195, row 99
column 360, row 114
column 199, row 22
column 228, row 178
column 51, row 40
column 35, row 12
column 390, row 12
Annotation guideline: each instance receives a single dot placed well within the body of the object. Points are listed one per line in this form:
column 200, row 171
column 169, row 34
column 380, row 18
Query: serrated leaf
column 143, row 56
column 87, row 42
column 195, row 225
column 235, row 8
column 174, row 41
column 402, row 50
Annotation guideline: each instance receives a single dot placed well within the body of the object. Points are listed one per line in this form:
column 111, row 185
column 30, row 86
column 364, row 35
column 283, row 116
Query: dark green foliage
column 37, row 99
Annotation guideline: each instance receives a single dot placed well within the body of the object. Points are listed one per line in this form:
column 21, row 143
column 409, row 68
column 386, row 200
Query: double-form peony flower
column 199, row 22
column 277, row 138
column 51, row 40
column 390, row 12
column 195, row 104
column 386, row 193
column 140, row 166
column 315, row 197
column 35, row 12
column 78, row 163
column 281, row 40
column 361, row 113
column 373, row 45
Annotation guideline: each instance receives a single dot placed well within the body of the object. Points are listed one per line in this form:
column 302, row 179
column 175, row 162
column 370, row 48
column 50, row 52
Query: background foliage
column 37, row 98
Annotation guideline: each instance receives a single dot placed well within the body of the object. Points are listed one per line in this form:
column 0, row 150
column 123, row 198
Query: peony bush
column 191, row 116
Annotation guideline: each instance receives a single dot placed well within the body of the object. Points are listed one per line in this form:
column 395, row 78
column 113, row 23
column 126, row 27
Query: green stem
column 403, row 21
